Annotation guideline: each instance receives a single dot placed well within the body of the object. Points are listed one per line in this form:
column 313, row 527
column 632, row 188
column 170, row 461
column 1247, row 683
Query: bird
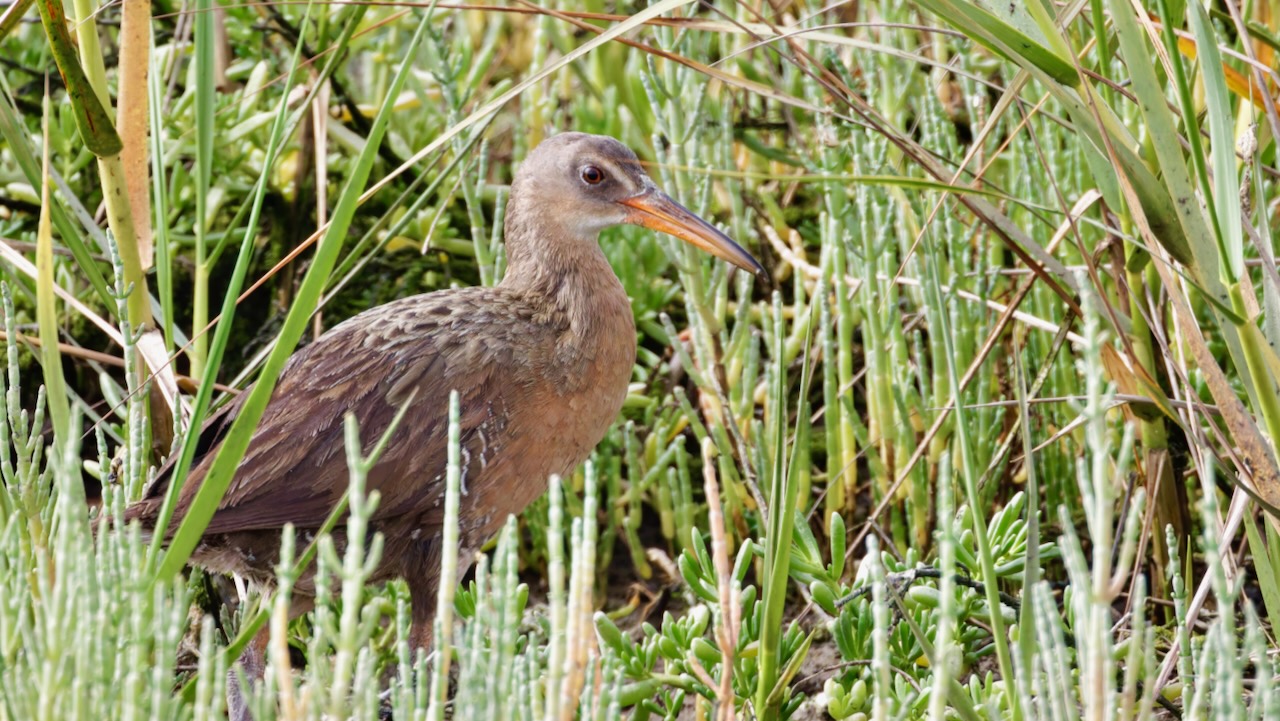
column 540, row 361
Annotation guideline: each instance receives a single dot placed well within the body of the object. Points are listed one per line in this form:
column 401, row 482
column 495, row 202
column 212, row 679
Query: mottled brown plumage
column 541, row 363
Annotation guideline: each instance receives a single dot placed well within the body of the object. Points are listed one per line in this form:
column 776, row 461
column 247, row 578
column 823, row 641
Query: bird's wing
column 414, row 351
column 212, row 432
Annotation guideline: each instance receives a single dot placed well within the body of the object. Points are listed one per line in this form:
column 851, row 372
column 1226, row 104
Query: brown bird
column 541, row 364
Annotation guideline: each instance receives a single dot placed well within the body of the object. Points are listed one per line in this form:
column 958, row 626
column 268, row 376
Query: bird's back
column 536, row 396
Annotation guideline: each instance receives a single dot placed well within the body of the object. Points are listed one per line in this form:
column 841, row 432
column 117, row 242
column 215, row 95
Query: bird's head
column 589, row 182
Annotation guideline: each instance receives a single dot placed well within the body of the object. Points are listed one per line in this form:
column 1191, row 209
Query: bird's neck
column 566, row 281
column 567, row 276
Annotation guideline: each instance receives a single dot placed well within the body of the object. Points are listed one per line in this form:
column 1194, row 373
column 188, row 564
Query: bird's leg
column 421, row 571
column 423, row 604
column 253, row 664
column 422, row 610
column 252, row 667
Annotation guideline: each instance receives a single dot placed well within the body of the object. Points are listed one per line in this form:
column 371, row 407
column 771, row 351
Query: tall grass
column 999, row 441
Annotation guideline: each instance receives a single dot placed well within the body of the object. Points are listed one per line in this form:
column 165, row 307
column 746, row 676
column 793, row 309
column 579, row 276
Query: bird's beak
column 656, row 210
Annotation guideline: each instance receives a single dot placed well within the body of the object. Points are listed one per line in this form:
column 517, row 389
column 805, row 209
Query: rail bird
column 541, row 363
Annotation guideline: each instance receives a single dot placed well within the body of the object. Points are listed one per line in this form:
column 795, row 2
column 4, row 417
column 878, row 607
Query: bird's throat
column 575, row 283
column 561, row 272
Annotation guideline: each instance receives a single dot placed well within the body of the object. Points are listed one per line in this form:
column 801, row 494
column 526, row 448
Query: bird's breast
column 596, row 367
column 564, row 410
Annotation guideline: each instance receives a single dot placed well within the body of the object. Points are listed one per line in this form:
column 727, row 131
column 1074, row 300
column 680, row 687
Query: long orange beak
column 656, row 210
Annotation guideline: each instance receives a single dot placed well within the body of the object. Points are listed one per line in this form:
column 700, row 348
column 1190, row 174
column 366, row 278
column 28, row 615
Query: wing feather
column 413, row 351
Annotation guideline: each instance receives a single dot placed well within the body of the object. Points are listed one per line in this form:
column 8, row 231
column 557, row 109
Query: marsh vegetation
column 999, row 441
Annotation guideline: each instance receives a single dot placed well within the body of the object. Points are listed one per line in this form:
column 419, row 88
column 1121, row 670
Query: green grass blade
column 1002, row 38
column 969, row 473
column 295, row 323
column 1031, row 574
column 1266, row 563
column 783, row 491
column 46, row 310
column 96, row 129
column 1182, row 86
column 222, row 333
column 1224, row 203
column 205, row 85
column 1168, row 148
column 160, row 199
column 780, row 521
column 13, row 16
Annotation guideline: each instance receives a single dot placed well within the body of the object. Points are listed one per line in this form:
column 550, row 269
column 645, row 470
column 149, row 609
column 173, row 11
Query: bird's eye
column 591, row 175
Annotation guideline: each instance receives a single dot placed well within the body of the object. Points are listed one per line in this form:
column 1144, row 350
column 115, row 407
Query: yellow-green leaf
column 96, row 128
column 1002, row 38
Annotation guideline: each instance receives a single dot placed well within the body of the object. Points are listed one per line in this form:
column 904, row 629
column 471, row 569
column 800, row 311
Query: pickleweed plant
column 997, row 440
column 82, row 633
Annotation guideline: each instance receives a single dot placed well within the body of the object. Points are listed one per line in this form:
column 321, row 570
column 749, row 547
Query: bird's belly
column 557, row 435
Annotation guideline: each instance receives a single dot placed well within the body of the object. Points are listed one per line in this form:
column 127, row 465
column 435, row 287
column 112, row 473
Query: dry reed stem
column 730, row 623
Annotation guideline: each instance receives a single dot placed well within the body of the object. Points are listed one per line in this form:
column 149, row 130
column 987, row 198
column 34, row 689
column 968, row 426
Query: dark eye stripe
column 614, row 172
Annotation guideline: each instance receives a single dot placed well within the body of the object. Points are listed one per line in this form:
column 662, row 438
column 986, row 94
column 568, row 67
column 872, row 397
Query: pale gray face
column 585, row 178
column 590, row 182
